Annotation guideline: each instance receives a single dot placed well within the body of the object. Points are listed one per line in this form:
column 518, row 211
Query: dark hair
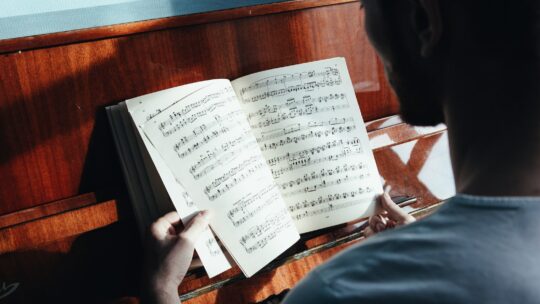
column 506, row 25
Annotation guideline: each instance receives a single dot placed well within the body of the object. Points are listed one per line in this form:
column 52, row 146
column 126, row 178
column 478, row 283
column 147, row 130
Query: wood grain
column 46, row 210
column 52, row 228
column 103, row 32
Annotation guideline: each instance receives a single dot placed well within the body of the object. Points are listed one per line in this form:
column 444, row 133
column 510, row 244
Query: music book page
column 144, row 108
column 308, row 125
column 207, row 143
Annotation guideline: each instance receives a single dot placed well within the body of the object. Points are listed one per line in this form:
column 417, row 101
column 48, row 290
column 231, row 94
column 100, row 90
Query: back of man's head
column 440, row 54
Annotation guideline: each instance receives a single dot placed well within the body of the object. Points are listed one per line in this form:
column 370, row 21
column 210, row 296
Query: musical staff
column 323, row 173
column 212, row 246
column 324, row 184
column 294, row 102
column 249, row 206
column 298, row 127
column 203, row 140
column 328, row 199
column 233, row 177
column 221, row 157
column 325, row 210
column 297, row 112
column 314, row 150
column 290, row 83
column 260, row 235
column 308, row 161
column 232, row 122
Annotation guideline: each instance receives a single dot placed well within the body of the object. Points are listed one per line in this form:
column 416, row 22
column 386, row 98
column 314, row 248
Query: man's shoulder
column 379, row 269
column 392, row 252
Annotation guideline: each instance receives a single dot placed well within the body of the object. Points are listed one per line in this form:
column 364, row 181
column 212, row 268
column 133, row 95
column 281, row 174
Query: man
column 474, row 65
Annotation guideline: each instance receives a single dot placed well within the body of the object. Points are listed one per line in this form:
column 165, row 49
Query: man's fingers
column 378, row 223
column 162, row 226
column 368, row 232
column 195, row 227
column 394, row 211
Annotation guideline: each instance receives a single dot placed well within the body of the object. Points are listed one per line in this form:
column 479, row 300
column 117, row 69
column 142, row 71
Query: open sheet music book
column 271, row 155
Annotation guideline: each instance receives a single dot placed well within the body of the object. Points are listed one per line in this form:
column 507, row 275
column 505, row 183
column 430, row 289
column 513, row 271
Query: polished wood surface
column 48, row 40
column 66, row 225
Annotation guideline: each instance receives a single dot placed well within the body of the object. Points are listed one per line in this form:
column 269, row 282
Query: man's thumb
column 195, row 227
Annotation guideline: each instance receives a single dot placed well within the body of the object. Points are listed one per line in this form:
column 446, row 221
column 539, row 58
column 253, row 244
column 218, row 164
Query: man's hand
column 169, row 255
column 389, row 216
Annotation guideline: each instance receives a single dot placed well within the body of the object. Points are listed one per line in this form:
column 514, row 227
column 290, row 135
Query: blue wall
column 20, row 18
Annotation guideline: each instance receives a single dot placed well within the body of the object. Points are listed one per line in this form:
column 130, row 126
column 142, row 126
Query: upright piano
column 67, row 230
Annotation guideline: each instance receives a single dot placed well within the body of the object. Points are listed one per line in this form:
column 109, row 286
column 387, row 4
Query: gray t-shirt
column 472, row 250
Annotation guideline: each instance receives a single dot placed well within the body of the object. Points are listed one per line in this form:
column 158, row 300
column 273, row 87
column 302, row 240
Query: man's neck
column 495, row 153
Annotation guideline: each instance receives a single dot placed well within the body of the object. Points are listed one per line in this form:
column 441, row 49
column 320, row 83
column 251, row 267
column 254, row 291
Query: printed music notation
column 298, row 127
column 323, row 173
column 260, row 235
column 188, row 200
column 233, row 177
column 247, row 207
column 210, row 155
column 213, row 247
column 204, row 135
column 175, row 122
column 328, row 199
column 325, row 210
column 293, row 102
column 297, row 111
column 314, row 150
column 178, row 119
column 324, row 184
column 279, row 85
column 220, row 160
column 308, row 161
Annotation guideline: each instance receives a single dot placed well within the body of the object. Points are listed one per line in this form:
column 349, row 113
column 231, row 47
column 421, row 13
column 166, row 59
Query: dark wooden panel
column 47, row 40
column 46, row 210
column 52, row 228
column 54, row 135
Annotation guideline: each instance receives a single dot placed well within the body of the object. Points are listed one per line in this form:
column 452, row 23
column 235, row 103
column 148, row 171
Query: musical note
column 212, row 246
column 308, row 161
column 188, row 200
column 323, row 173
column 296, row 112
column 221, row 157
column 324, row 184
column 233, row 177
column 328, row 199
column 202, row 140
column 293, row 102
column 328, row 209
column 231, row 122
column 312, row 151
column 260, row 235
column 304, row 81
column 246, row 208
column 297, row 127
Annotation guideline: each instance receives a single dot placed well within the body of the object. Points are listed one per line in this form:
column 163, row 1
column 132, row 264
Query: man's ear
column 428, row 24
